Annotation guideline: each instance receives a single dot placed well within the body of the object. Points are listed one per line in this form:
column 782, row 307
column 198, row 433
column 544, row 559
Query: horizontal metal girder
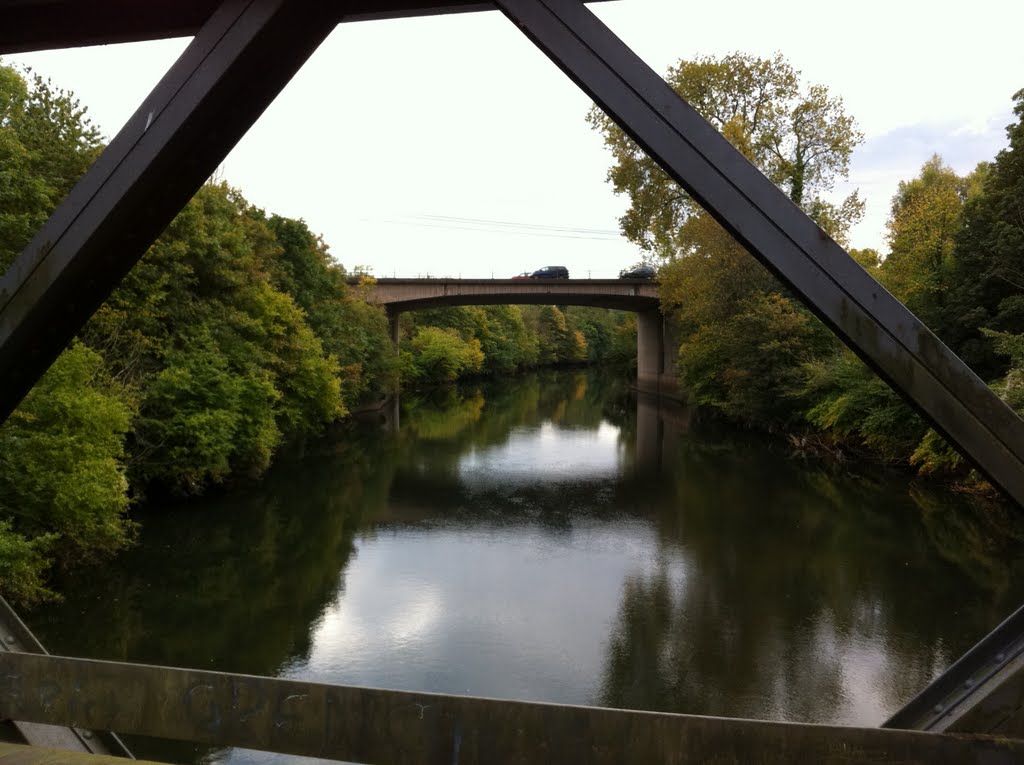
column 754, row 210
column 379, row 726
column 28, row 25
column 238, row 63
column 401, row 295
column 15, row 636
column 19, row 754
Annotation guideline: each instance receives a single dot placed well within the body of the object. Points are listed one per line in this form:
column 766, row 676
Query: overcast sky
column 452, row 146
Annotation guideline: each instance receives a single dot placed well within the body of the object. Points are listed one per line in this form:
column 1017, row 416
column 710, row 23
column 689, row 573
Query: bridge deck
column 415, row 294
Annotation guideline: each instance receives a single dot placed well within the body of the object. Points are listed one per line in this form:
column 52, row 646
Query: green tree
column 988, row 272
column 505, row 341
column 349, row 328
column 46, row 143
column 801, row 138
column 63, row 491
column 557, row 341
column 200, row 418
column 924, row 222
column 844, row 397
column 225, row 364
column 610, row 335
column 442, row 355
column 849, row 401
column 744, row 341
column 868, row 258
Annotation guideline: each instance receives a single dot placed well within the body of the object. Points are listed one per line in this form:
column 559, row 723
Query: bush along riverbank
column 753, row 354
column 236, row 334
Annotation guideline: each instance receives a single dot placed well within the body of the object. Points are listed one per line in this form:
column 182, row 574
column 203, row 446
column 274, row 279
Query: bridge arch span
column 655, row 351
column 400, row 295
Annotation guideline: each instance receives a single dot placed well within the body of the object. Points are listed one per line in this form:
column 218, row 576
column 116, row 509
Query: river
column 552, row 537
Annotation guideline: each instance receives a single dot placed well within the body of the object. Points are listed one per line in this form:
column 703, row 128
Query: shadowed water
column 553, row 538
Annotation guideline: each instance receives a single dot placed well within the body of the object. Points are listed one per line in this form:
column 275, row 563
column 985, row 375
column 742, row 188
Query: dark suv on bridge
column 551, row 272
column 641, row 271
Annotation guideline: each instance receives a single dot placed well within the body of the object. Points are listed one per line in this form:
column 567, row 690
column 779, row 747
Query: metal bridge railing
column 369, row 725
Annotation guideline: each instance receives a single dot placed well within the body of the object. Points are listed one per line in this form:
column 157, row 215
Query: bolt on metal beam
column 983, row 692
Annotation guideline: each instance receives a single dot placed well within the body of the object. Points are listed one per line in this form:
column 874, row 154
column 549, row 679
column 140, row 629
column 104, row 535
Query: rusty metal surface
column 382, row 727
column 18, row 754
column 16, row 636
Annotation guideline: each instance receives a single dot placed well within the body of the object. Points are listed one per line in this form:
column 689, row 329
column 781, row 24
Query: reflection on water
column 552, row 538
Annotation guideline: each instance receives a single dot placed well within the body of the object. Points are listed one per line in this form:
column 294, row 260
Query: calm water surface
column 552, row 538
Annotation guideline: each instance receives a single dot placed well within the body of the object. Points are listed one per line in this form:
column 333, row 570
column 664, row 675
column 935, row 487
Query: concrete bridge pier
column 656, row 352
column 393, row 327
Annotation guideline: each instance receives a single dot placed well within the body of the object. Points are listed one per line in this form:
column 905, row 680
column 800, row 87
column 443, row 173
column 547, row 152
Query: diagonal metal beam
column 983, row 692
column 241, row 59
column 15, row 636
column 382, row 726
column 28, row 25
column 828, row 281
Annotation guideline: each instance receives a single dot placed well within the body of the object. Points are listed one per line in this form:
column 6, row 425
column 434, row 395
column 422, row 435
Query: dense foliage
column 748, row 350
column 443, row 344
column 235, row 334
column 743, row 339
column 238, row 333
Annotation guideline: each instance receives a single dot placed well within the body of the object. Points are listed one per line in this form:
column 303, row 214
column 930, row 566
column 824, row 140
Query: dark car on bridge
column 551, row 272
column 642, row 271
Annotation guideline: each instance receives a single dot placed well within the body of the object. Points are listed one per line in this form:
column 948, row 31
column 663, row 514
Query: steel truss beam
column 19, row 754
column 755, row 211
column 27, row 25
column 879, row 328
column 240, row 60
column 983, row 692
column 15, row 636
column 380, row 726
column 248, row 50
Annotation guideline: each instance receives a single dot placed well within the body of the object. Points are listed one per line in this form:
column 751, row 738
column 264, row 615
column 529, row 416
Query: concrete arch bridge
column 655, row 351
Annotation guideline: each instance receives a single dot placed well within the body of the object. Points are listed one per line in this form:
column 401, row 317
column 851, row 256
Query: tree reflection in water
column 683, row 568
column 785, row 591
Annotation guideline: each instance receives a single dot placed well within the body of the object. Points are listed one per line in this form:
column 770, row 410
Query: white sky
column 411, row 145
